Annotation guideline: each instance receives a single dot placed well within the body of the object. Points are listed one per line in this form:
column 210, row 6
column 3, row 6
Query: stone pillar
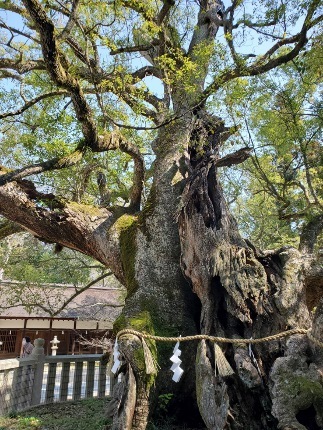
column 39, row 356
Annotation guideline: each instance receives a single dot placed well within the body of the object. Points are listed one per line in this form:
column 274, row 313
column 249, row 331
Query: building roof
column 10, row 322
column 99, row 303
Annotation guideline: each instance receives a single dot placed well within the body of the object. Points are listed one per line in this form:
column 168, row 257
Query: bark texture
column 244, row 293
column 186, row 268
column 159, row 299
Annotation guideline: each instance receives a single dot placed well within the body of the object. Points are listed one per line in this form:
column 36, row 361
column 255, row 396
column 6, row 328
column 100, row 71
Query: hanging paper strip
column 178, row 371
column 116, row 356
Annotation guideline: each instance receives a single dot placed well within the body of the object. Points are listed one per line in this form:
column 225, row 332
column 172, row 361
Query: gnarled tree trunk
column 187, row 247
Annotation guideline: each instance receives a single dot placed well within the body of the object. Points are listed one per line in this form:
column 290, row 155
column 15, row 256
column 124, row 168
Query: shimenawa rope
column 223, row 339
column 222, row 366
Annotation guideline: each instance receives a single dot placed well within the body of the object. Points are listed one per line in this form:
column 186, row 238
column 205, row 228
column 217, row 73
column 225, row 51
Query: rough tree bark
column 186, row 268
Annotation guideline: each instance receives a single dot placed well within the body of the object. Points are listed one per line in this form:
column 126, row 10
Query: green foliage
column 282, row 187
column 28, row 423
column 163, row 402
column 126, row 225
column 27, row 259
column 280, row 117
column 162, row 418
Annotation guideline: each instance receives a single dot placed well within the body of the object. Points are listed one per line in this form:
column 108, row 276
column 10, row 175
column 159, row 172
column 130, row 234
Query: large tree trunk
column 159, row 298
column 242, row 293
column 245, row 293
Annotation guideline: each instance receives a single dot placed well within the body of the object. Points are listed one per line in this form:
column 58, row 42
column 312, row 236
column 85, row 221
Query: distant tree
column 281, row 117
column 105, row 109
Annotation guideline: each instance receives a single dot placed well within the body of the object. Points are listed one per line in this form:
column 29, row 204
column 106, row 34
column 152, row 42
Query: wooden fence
column 40, row 379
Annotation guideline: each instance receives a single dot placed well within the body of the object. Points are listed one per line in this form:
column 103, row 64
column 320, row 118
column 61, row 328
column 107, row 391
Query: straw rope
column 223, row 339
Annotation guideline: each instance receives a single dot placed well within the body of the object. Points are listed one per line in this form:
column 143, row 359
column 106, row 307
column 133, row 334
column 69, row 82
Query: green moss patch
column 127, row 225
column 300, row 384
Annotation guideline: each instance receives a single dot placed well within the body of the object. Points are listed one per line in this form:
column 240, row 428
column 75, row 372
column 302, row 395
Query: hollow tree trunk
column 245, row 293
column 241, row 291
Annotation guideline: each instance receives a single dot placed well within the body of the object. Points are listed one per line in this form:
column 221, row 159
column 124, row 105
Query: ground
column 78, row 415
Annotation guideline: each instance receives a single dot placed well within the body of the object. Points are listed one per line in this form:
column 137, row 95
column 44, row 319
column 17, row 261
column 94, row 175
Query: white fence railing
column 40, row 379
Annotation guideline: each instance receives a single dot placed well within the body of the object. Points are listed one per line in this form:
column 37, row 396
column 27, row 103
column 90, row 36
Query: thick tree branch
column 236, row 157
column 34, row 169
column 168, row 4
column 76, row 226
column 55, row 63
column 209, row 18
column 115, row 140
column 147, row 71
column 21, row 67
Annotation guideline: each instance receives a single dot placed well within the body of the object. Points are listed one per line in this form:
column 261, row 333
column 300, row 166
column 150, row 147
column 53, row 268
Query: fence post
column 39, row 356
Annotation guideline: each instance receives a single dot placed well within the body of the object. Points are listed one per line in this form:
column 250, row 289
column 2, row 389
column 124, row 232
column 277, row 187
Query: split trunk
column 190, row 272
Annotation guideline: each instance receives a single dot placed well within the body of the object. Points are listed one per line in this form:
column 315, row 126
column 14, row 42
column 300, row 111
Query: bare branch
column 71, row 20
column 21, row 33
column 81, row 290
column 32, row 103
column 164, row 11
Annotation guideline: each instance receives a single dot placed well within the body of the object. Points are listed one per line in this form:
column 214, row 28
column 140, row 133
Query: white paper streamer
column 178, row 371
column 116, row 356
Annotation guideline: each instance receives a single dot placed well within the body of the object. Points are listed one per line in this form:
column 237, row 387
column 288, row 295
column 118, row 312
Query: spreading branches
column 269, row 61
column 115, row 140
column 32, row 102
column 108, row 142
column 56, row 64
column 49, row 165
